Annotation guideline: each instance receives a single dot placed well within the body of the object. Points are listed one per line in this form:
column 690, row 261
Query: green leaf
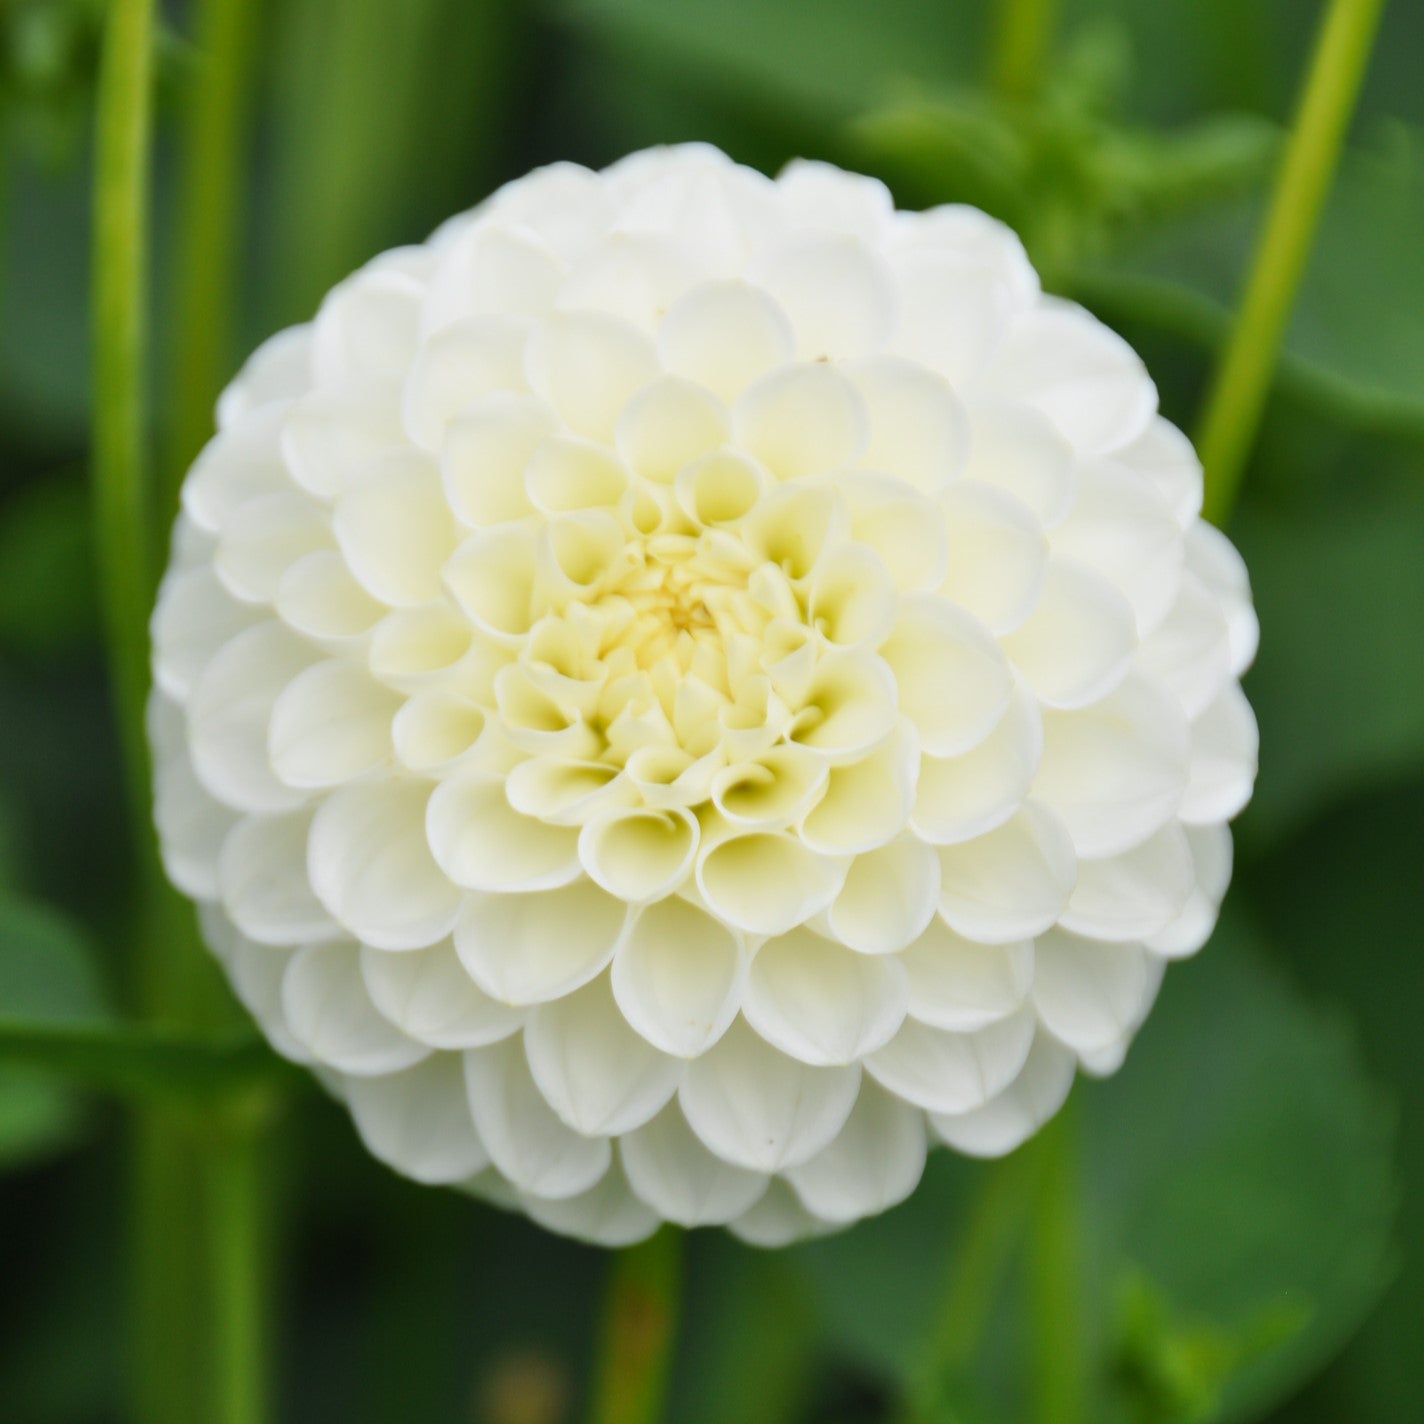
column 47, row 974
column 1338, row 685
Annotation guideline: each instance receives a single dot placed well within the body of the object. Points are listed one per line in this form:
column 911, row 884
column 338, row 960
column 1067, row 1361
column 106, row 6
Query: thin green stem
column 120, row 457
column 210, row 199
column 1021, row 37
column 983, row 1254
column 638, row 1331
column 237, row 1233
column 1242, row 381
column 1055, row 1281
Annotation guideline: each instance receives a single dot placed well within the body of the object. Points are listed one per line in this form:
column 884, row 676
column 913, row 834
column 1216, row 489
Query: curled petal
column 484, row 457
column 1088, row 995
column 801, row 420
column 1135, row 894
column 946, row 1072
column 1016, row 1113
column 458, row 366
column 1211, row 865
column 428, row 994
column 667, row 425
column 332, row 723
column 724, row 335
column 606, row 1214
column 866, row 802
column 766, row 882
column 919, row 431
column 889, row 897
column 960, row 985
column 262, row 877
column 332, row 435
column 997, row 555
column 1225, row 747
column 639, row 855
column 587, row 365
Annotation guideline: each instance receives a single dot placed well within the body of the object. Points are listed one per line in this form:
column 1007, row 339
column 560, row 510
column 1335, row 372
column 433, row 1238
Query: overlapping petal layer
column 686, row 689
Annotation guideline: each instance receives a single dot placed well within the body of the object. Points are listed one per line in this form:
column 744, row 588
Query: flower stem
column 639, row 1327
column 120, row 459
column 1242, row 381
column 209, row 202
column 982, row 1257
column 1022, row 34
column 1055, row 1280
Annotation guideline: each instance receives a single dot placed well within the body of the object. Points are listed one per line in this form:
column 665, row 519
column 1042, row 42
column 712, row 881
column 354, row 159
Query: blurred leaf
column 1237, row 1198
column 47, row 598
column 46, row 973
column 1338, row 686
column 1355, row 330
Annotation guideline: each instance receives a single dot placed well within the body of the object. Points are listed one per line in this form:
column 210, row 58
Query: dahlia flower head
column 685, row 690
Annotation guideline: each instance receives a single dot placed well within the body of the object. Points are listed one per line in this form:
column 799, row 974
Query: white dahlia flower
column 685, row 689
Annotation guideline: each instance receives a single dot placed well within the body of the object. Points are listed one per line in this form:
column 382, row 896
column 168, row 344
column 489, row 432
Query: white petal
column 771, row 791
column 1165, row 457
column 332, row 723
column 1114, row 772
column 235, row 467
column 866, row 802
column 607, row 1214
column 419, row 1121
column 824, row 196
column 777, row 1219
column 331, row 1015
column 634, row 276
column 278, row 370
column 567, row 473
column 319, row 598
column 435, row 729
column 256, row 972
column 458, row 366
column 1015, row 448
column 801, row 420
column 678, row 978
column 1211, row 863
column 822, row 1004
column 997, row 555
column 638, row 855
column 1135, row 894
column 368, row 325
column 919, row 431
column 1189, row 652
column 264, row 538
column 492, row 268
column 587, row 365
column 371, row 866
column 1083, row 376
column 766, row 882
column 494, row 577
column 951, row 1072
column 873, row 1164
column 669, row 424
column 228, row 715
column 483, row 843
column 1012, row 882
column 597, row 1073
column 953, row 682
column 395, row 530
column 761, row 1110
column 333, row 435
column 1012, row 1117
column 960, row 985
column 837, row 290
column 724, row 335
column 521, row 1132
column 1119, row 527
column 526, row 949
column 952, row 309
column 1213, row 558
column 1089, row 995
column 899, row 524
column 888, row 898
column 669, row 1168
column 195, row 617
column 958, row 798
column 1225, row 749
column 262, row 875
column 1077, row 643
column 485, row 455
column 192, row 825
column 848, row 706
column 428, row 994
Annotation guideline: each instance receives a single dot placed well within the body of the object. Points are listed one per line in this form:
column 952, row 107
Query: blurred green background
column 1248, row 1238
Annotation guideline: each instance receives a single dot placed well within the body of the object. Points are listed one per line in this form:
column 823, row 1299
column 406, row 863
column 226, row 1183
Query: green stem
column 1022, row 33
column 1055, row 1280
column 237, row 1234
column 120, row 460
column 209, row 205
column 638, row 1331
column 1242, row 382
column 992, row 1232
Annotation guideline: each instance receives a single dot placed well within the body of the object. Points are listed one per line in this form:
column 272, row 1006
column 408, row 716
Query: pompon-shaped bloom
column 685, row 690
